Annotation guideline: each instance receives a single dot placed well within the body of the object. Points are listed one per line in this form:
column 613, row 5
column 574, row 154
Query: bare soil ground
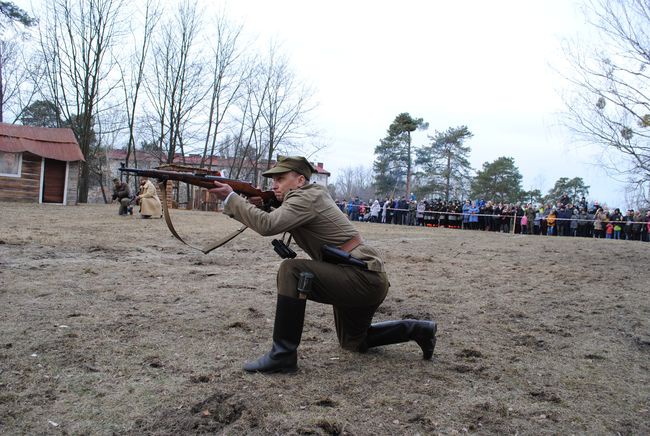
column 110, row 326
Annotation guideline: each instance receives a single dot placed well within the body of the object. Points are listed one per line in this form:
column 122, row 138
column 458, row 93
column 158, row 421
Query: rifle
column 205, row 181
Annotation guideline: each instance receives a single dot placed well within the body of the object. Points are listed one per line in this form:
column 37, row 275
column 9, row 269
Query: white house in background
column 322, row 175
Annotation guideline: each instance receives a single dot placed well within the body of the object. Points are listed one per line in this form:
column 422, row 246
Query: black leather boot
column 395, row 332
column 287, row 331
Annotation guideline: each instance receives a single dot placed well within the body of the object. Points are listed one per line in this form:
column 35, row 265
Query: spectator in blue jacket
column 473, row 216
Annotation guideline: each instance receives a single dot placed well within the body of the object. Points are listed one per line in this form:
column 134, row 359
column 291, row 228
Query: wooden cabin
column 38, row 164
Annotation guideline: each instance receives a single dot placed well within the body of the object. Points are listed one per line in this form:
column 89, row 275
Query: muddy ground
column 110, row 326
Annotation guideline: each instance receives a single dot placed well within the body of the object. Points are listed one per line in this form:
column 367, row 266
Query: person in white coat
column 384, row 211
column 148, row 199
column 374, row 211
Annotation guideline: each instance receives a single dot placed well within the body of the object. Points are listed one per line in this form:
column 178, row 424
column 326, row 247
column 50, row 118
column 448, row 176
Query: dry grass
column 110, row 326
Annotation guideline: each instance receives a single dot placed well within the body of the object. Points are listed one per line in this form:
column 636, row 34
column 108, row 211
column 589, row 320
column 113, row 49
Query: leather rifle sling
column 170, row 226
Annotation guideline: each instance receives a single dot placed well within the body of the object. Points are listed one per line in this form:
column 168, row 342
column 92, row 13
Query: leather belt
column 353, row 243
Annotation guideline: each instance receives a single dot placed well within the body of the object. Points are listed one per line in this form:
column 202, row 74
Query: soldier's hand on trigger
column 257, row 201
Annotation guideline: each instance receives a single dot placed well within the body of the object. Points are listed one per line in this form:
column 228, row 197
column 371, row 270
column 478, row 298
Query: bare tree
column 108, row 130
column 76, row 43
column 610, row 99
column 11, row 78
column 355, row 181
column 228, row 74
column 247, row 149
column 271, row 118
column 174, row 84
column 345, row 183
column 285, row 109
column 18, row 82
column 132, row 73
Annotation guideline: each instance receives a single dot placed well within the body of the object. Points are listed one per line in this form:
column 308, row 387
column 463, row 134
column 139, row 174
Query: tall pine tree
column 394, row 155
column 499, row 181
column 445, row 165
column 574, row 188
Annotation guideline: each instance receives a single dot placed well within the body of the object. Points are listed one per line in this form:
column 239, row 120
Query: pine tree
column 574, row 188
column 445, row 165
column 499, row 181
column 394, row 155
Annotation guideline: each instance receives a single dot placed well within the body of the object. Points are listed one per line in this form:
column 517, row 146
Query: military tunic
column 312, row 218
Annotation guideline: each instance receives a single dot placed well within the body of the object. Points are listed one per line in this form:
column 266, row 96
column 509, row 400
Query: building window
column 10, row 164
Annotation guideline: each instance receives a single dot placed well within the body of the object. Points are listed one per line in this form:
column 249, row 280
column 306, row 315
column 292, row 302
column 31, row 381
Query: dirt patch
column 110, row 326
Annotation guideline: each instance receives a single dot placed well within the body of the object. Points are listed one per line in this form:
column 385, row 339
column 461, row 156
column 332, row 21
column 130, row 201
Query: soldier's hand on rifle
column 221, row 189
column 257, row 201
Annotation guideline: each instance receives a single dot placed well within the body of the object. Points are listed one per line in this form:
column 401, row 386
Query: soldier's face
column 285, row 182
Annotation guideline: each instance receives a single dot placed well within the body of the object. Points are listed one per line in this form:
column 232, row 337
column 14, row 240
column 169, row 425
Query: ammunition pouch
column 304, row 284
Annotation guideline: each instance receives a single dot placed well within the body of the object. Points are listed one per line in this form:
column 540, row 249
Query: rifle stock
column 207, row 181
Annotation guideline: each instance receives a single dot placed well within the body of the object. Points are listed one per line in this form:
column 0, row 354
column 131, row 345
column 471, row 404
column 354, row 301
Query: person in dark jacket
column 530, row 216
column 563, row 220
column 627, row 228
column 122, row 194
column 636, row 226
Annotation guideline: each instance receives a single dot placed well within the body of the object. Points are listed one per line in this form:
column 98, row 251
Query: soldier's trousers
column 354, row 293
column 124, row 206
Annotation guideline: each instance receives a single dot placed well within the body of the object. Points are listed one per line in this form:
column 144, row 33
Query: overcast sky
column 488, row 65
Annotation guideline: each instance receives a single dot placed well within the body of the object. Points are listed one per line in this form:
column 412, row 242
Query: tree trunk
column 448, row 177
column 84, row 177
column 2, row 86
column 408, row 164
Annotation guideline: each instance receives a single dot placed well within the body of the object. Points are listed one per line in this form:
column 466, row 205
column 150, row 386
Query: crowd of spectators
column 560, row 218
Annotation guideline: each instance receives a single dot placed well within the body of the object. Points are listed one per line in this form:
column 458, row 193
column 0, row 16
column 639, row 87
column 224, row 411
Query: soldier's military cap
column 291, row 163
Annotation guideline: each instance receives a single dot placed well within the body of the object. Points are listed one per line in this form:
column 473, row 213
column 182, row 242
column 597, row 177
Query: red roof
column 321, row 170
column 59, row 144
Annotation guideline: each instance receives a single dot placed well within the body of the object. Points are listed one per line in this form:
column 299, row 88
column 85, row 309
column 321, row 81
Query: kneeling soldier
column 344, row 272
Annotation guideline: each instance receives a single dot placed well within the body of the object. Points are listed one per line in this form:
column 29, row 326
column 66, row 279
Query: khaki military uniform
column 149, row 202
column 312, row 218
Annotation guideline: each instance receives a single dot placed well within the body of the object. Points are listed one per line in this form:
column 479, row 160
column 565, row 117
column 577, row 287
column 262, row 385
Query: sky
column 489, row 65
column 492, row 66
